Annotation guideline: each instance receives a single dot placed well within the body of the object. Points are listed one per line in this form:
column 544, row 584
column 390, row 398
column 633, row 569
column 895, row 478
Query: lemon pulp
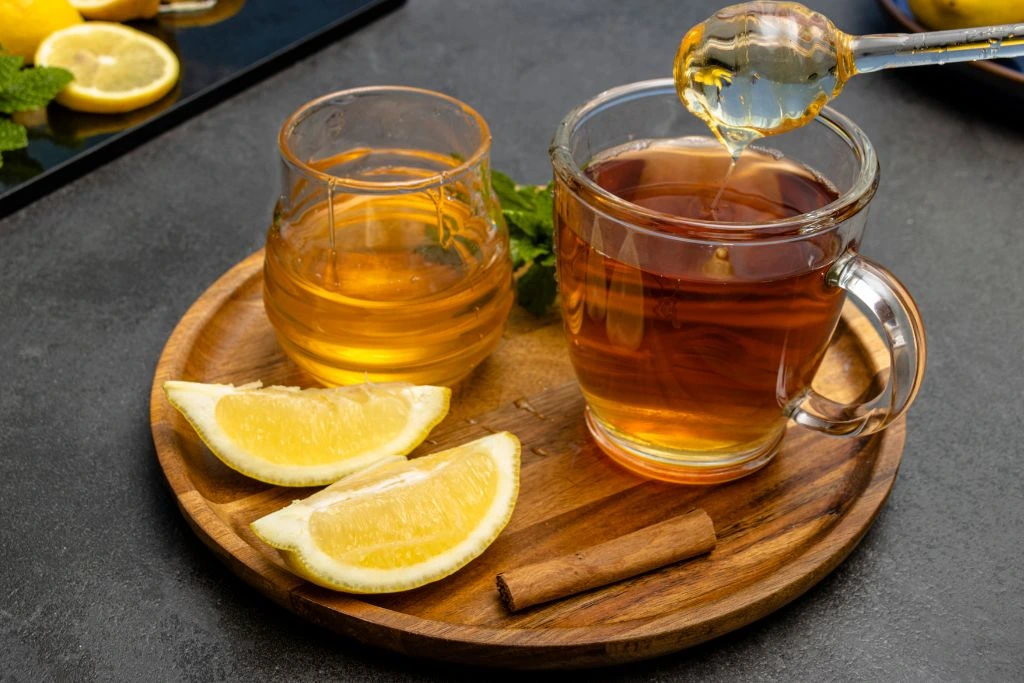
column 280, row 429
column 293, row 437
column 116, row 68
column 400, row 524
column 433, row 511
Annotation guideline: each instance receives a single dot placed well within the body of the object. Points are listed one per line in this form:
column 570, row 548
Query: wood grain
column 779, row 530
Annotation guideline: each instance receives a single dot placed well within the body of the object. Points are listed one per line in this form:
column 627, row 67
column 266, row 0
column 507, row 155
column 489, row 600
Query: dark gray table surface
column 101, row 578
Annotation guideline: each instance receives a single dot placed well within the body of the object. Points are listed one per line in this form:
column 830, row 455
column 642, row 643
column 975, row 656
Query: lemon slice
column 116, row 68
column 117, row 10
column 293, row 437
column 402, row 524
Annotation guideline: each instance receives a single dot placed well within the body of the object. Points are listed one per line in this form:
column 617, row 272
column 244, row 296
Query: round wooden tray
column 780, row 530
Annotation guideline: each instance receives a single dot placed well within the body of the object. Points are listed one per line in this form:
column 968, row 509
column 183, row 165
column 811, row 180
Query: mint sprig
column 12, row 136
column 529, row 213
column 24, row 89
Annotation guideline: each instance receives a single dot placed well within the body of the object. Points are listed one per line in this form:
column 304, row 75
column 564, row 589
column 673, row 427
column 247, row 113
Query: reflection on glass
column 193, row 13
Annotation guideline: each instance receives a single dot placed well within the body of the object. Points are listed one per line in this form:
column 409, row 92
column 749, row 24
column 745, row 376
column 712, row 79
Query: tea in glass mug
column 699, row 298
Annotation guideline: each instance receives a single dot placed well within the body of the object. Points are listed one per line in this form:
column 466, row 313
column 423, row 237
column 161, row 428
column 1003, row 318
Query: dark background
column 217, row 60
column 101, row 578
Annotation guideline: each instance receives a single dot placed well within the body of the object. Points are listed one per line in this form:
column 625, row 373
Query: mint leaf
column 32, row 88
column 528, row 212
column 12, row 135
column 22, row 90
column 524, row 251
column 10, row 65
column 527, row 223
column 536, row 289
column 509, row 195
column 545, row 202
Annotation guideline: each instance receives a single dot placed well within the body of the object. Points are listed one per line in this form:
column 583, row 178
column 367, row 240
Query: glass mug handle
column 894, row 310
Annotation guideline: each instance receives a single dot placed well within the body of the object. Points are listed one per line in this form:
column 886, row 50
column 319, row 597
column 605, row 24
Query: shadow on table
column 968, row 91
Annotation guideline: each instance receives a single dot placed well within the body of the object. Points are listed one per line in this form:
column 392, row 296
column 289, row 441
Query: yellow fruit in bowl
column 25, row 23
column 117, row 10
column 949, row 14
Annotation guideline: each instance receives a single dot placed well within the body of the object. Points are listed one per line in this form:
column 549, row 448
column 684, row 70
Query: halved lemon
column 116, row 68
column 403, row 524
column 293, row 437
column 117, row 10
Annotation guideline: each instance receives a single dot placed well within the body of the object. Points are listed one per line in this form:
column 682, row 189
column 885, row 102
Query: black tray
column 217, row 60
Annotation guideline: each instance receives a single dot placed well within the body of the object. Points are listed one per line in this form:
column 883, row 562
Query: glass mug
column 388, row 258
column 695, row 338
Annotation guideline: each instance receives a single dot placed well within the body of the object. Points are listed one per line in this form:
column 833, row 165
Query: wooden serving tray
column 780, row 530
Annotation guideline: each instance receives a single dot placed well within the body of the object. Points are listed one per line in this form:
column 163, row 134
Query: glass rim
column 434, row 180
column 796, row 227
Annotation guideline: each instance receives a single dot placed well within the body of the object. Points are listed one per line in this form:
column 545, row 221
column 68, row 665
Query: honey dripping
column 763, row 68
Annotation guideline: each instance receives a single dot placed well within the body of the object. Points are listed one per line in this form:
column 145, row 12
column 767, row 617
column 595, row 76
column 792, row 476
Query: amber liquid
column 685, row 349
column 412, row 287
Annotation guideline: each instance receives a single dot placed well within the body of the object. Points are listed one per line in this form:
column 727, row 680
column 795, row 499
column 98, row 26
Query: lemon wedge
column 310, row 437
column 116, row 68
column 117, row 10
column 400, row 525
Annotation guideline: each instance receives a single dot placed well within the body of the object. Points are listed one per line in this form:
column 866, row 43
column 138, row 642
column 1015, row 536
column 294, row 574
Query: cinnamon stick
column 649, row 548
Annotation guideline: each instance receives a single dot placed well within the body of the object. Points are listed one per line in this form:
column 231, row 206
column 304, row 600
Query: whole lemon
column 947, row 14
column 24, row 23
